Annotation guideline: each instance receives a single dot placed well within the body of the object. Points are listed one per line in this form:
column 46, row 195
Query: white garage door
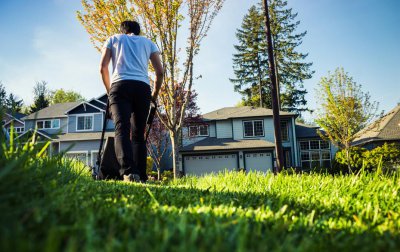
column 81, row 156
column 201, row 165
column 258, row 162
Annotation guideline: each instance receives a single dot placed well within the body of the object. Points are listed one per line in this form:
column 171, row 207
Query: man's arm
column 104, row 62
column 157, row 65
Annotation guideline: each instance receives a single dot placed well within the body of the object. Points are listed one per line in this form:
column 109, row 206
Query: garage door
column 81, row 156
column 258, row 162
column 201, row 165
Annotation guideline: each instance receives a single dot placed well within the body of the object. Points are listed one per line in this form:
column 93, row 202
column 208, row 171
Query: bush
column 385, row 158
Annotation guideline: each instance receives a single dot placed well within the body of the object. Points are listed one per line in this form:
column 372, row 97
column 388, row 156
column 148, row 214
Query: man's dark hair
column 130, row 27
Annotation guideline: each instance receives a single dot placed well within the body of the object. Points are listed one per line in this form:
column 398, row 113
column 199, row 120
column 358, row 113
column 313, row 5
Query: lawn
column 52, row 204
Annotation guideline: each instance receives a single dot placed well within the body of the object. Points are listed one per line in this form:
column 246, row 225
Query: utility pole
column 274, row 92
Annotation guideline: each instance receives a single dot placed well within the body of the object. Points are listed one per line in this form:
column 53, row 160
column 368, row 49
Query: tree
column 161, row 21
column 61, row 96
column 344, row 110
column 13, row 103
column 250, row 62
column 158, row 143
column 3, row 96
column 41, row 100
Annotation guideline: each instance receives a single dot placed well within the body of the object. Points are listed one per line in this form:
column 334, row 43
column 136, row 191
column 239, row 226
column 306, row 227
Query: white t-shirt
column 130, row 57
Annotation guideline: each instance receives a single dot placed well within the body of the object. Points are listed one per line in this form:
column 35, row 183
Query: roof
column 240, row 112
column 385, row 128
column 213, row 143
column 38, row 132
column 306, row 131
column 82, row 136
column 16, row 115
column 53, row 111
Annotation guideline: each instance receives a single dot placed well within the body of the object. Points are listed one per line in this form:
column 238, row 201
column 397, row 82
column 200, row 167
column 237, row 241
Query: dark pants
column 130, row 103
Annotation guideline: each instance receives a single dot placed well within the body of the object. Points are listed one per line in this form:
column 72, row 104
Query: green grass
column 52, row 204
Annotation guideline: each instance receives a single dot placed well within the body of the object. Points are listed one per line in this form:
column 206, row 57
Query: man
column 130, row 94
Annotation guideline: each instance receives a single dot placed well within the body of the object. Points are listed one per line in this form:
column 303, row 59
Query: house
column 383, row 130
column 230, row 138
column 15, row 119
column 74, row 128
column 236, row 138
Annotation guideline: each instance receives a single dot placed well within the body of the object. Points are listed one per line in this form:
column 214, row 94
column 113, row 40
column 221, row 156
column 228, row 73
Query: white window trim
column 92, row 153
column 252, row 121
column 51, row 124
column 319, row 150
column 84, row 115
column 198, row 130
column 79, row 152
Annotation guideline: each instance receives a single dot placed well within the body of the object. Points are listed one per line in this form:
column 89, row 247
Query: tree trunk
column 175, row 151
column 158, row 174
column 348, row 158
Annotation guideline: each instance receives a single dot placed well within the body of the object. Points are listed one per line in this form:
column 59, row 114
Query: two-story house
column 73, row 128
column 236, row 138
column 14, row 119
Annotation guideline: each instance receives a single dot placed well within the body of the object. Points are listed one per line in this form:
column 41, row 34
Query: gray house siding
column 238, row 131
column 211, row 129
column 97, row 122
column 80, row 145
column 31, row 124
column 187, row 140
column 87, row 148
column 224, row 129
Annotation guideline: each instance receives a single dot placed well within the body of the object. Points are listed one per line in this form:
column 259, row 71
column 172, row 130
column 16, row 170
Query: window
column 203, row 130
column 285, row 131
column 193, row 131
column 200, row 130
column 315, row 153
column 253, row 128
column 84, row 123
column 48, row 124
column 17, row 130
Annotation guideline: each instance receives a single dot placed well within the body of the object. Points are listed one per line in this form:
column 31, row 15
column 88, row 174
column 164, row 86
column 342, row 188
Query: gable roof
column 385, row 128
column 240, row 112
column 306, row 131
column 84, row 105
column 53, row 111
column 213, row 143
column 30, row 132
column 16, row 115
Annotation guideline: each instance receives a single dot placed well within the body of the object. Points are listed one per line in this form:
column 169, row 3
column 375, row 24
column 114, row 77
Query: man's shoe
column 132, row 178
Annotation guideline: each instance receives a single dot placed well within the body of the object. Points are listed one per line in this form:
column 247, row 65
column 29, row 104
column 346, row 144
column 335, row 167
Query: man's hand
column 105, row 74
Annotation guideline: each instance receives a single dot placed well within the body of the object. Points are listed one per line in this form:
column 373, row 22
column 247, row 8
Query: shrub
column 356, row 160
column 385, row 157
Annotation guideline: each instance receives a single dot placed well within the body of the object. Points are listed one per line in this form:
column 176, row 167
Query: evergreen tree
column 3, row 96
column 250, row 63
column 13, row 103
column 41, row 96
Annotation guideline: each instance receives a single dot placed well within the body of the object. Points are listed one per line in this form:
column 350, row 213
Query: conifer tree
column 13, row 103
column 41, row 100
column 250, row 62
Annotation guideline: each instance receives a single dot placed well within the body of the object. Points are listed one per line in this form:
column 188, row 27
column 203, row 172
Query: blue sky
column 42, row 40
